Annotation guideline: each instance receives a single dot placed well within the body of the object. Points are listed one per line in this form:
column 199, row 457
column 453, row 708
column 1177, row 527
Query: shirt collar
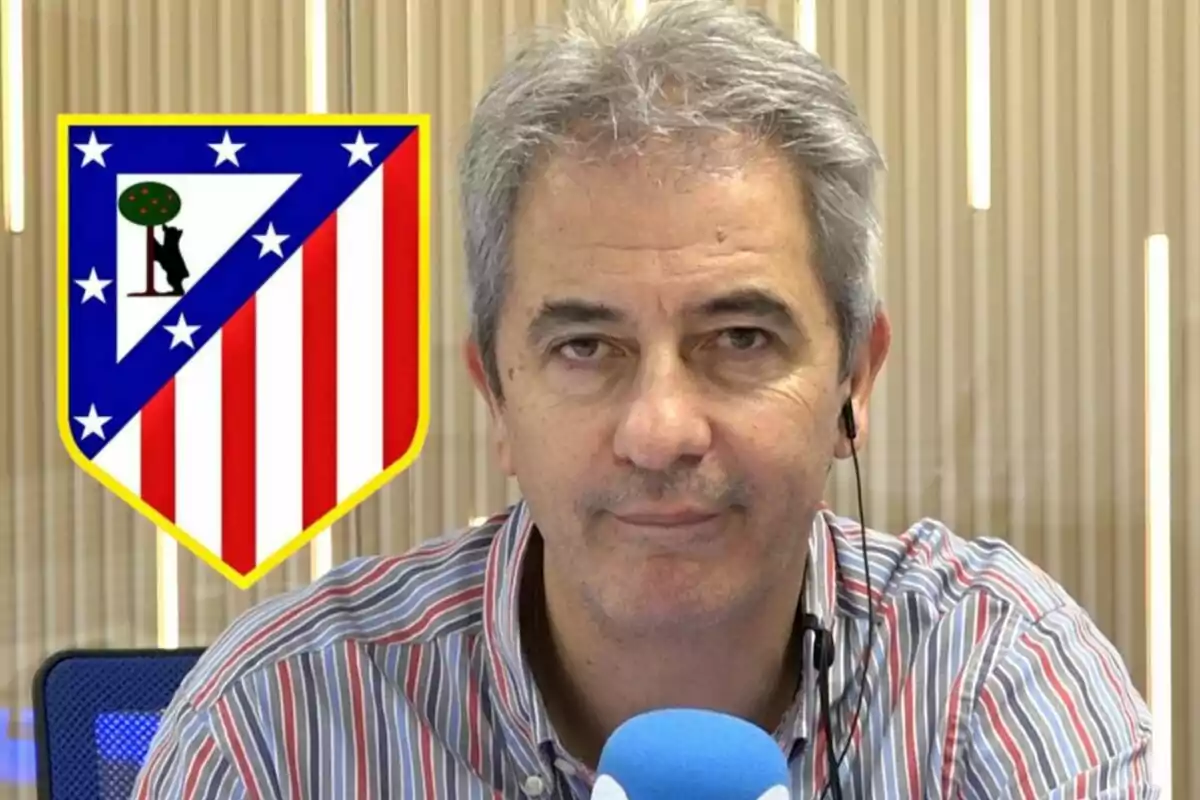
column 824, row 599
column 518, row 705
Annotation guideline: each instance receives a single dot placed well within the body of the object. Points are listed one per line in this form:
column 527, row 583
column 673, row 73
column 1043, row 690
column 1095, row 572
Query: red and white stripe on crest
column 305, row 395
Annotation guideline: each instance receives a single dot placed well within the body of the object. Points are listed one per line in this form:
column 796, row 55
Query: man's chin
column 658, row 603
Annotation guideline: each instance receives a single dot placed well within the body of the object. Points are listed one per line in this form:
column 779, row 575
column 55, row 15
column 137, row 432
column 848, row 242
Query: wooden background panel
column 1012, row 404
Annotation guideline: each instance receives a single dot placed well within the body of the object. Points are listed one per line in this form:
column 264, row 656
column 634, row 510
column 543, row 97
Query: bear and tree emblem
column 151, row 204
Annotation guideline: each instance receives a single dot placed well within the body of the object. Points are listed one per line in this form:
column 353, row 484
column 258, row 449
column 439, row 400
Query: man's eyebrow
column 555, row 314
column 756, row 303
column 748, row 303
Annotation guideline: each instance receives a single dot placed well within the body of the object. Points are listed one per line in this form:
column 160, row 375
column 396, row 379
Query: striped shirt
column 403, row 677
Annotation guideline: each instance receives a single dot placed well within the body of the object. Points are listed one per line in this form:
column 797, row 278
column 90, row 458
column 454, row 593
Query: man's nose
column 664, row 422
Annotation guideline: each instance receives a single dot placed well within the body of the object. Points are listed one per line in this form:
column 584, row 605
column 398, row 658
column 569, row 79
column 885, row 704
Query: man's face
column 669, row 371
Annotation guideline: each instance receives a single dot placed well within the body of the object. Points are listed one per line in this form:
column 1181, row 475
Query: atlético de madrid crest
column 243, row 319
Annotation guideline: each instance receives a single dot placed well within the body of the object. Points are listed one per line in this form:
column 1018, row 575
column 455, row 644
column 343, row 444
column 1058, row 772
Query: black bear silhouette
column 167, row 254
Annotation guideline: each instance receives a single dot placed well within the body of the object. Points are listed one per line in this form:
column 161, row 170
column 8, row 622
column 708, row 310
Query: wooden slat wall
column 1012, row 404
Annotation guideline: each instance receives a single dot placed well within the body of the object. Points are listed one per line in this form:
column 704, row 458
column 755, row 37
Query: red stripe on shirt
column 412, row 689
column 237, row 751
column 358, row 724
column 291, row 733
column 197, row 766
column 1065, row 698
column 999, row 724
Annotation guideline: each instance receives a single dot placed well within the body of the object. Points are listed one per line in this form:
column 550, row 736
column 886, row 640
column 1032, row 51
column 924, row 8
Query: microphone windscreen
column 690, row 753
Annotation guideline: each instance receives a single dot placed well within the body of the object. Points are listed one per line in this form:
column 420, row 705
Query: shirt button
column 534, row 786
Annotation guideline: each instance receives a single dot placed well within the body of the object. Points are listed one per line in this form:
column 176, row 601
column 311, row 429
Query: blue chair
column 95, row 713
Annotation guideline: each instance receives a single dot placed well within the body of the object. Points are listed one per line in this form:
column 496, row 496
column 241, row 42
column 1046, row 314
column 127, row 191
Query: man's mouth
column 666, row 517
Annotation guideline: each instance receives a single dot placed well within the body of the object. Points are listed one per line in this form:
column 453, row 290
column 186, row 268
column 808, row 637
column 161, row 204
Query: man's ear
column 474, row 361
column 475, row 368
column 861, row 382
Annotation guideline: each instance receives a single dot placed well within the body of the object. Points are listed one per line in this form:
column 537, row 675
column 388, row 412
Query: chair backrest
column 95, row 712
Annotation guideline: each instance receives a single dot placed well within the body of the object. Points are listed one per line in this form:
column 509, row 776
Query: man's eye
column 582, row 349
column 743, row 339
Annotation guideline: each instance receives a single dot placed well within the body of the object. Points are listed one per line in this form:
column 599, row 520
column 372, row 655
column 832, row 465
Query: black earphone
column 849, row 423
column 823, row 654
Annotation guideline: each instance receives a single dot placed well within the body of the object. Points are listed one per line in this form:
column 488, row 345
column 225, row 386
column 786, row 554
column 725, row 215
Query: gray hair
column 688, row 67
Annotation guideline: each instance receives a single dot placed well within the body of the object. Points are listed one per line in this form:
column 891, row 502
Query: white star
column 93, row 286
column 226, row 151
column 93, row 151
column 181, row 332
column 270, row 241
column 360, row 151
column 92, row 423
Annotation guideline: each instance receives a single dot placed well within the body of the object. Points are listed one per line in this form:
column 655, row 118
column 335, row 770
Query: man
column 671, row 237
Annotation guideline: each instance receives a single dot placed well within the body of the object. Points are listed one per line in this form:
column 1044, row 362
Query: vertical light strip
column 167, row 562
column 636, row 9
column 806, row 24
column 1158, row 405
column 316, row 84
column 979, row 104
column 12, row 116
column 316, row 56
column 1158, row 502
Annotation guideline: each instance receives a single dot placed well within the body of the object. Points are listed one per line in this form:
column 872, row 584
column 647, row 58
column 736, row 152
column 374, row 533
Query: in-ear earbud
column 848, row 421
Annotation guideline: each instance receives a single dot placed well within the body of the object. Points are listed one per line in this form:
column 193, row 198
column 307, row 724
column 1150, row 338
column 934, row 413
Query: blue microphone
column 694, row 754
